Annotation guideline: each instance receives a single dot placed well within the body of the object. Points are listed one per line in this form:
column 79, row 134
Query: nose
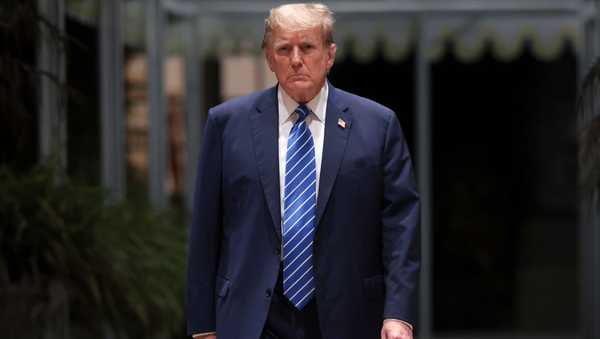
column 296, row 58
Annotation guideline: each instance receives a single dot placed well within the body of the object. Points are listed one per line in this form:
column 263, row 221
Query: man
column 305, row 214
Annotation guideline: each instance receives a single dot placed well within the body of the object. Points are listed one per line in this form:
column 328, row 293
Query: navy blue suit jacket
column 366, row 250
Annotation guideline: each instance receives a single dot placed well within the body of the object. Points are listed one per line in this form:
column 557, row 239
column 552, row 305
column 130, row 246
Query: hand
column 395, row 329
column 206, row 336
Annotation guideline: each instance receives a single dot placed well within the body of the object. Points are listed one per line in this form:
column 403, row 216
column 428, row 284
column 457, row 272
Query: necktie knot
column 303, row 112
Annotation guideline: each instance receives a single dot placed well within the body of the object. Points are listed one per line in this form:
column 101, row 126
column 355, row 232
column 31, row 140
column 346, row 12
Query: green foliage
column 120, row 265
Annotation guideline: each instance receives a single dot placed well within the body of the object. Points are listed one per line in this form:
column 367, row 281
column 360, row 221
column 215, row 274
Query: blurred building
column 485, row 91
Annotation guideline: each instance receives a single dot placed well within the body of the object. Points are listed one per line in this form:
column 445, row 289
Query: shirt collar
column 287, row 105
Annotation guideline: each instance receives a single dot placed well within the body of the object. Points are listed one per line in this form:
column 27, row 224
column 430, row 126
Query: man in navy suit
column 305, row 220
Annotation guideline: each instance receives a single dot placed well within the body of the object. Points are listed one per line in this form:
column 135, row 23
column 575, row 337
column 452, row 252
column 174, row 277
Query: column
column 158, row 148
column 111, row 99
column 194, row 101
column 50, row 61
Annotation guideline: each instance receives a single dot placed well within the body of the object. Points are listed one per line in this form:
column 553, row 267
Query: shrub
column 70, row 262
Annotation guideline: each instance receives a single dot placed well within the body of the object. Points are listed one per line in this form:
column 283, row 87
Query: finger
column 383, row 334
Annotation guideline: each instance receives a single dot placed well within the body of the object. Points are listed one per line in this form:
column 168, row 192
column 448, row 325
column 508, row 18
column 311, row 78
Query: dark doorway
column 505, row 202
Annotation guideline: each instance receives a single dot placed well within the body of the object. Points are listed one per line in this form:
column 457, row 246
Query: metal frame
column 52, row 110
column 192, row 8
column 589, row 237
column 589, row 229
column 50, row 61
column 158, row 147
column 194, row 98
column 111, row 99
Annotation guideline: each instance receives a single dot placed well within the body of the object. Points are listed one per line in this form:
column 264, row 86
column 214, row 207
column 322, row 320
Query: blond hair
column 300, row 17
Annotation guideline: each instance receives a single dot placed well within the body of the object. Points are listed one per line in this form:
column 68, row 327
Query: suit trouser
column 284, row 321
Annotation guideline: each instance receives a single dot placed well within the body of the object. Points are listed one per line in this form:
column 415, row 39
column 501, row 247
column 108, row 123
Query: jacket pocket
column 222, row 287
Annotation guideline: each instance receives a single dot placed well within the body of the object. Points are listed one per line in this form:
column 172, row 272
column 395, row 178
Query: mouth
column 298, row 77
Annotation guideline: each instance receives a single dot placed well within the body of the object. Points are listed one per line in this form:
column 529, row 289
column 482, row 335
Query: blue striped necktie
column 299, row 213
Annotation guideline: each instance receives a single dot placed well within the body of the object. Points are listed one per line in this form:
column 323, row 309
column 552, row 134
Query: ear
column 331, row 55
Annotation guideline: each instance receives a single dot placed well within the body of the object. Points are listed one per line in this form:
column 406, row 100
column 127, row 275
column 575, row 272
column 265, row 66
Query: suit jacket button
column 268, row 293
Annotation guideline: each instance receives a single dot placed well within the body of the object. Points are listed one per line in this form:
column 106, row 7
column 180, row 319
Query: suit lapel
column 338, row 121
column 264, row 120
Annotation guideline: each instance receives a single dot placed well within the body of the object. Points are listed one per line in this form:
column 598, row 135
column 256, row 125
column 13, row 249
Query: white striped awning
column 466, row 26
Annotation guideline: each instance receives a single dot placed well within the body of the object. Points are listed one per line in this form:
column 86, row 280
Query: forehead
column 282, row 35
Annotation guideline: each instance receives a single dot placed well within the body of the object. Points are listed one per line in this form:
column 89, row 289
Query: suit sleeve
column 400, row 227
column 204, row 234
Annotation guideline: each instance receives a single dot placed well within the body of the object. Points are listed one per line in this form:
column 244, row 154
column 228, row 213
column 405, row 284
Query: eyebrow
column 286, row 41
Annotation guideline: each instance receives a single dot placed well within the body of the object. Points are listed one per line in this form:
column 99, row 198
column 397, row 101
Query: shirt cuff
column 198, row 335
column 402, row 321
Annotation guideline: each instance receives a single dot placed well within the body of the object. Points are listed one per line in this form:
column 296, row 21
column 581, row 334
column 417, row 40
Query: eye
column 307, row 46
column 283, row 49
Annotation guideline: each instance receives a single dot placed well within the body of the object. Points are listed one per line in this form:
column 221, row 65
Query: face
column 300, row 61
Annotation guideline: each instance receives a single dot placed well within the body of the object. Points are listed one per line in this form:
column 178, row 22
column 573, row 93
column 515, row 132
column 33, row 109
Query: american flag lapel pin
column 341, row 123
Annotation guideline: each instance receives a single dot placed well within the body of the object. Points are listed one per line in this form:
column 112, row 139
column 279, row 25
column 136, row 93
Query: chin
column 301, row 92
